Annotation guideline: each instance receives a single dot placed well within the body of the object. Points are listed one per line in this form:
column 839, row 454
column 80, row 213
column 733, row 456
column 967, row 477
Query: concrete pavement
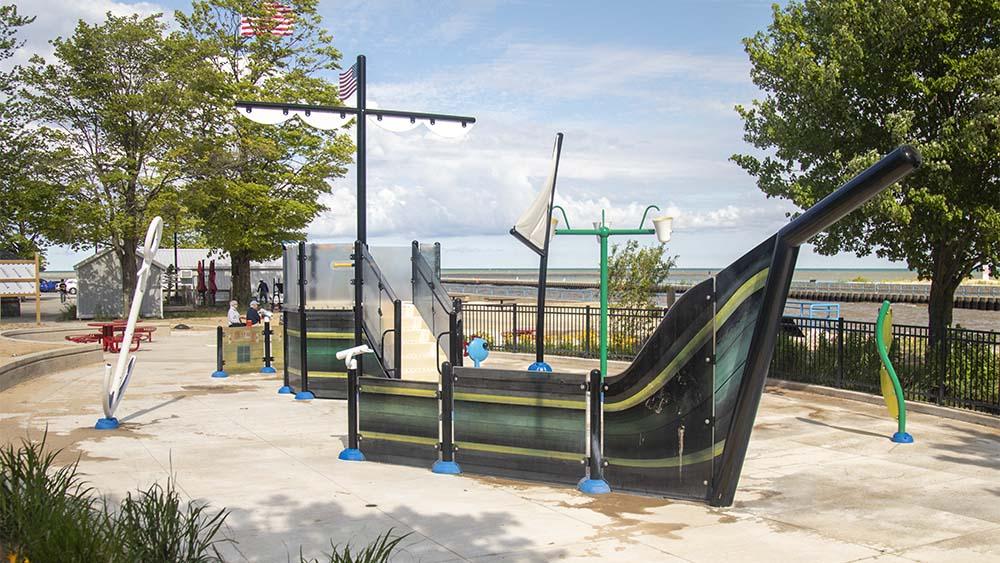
column 822, row 482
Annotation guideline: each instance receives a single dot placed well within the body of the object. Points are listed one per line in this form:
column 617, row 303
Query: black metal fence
column 963, row 371
column 569, row 331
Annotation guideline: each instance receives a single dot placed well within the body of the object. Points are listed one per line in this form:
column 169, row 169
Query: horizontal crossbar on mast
column 345, row 111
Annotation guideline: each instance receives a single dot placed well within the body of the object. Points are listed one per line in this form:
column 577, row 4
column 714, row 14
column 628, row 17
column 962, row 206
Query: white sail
column 534, row 225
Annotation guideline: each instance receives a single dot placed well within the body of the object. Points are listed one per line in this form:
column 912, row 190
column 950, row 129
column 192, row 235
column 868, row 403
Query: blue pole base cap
column 351, row 454
column 304, row 396
column 106, row 423
column 593, row 486
column 902, row 438
column 446, row 468
column 540, row 366
column 285, row 390
column 219, row 373
column 268, row 369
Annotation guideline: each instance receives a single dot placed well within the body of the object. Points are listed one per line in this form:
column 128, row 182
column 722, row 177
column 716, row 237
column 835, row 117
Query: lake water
column 681, row 274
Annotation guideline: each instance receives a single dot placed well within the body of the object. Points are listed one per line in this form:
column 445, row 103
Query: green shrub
column 378, row 551
column 49, row 514
column 154, row 526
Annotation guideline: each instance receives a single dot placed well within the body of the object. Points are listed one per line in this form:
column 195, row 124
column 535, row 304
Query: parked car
column 48, row 286
column 71, row 286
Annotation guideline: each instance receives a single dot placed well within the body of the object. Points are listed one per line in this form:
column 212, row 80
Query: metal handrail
column 384, row 288
column 422, row 268
column 383, row 284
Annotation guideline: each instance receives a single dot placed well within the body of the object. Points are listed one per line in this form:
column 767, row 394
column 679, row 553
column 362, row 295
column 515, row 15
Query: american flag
column 349, row 82
column 280, row 23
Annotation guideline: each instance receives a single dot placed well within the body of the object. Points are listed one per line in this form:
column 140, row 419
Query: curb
column 31, row 366
column 911, row 406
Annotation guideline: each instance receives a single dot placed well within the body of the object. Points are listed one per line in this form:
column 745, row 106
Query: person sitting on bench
column 254, row 313
column 233, row 316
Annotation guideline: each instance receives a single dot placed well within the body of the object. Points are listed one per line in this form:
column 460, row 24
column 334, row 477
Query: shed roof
column 105, row 252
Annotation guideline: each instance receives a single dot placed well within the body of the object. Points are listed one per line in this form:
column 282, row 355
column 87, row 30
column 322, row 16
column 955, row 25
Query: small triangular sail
column 534, row 225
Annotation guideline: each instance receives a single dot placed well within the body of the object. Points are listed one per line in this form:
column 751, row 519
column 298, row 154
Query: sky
column 644, row 93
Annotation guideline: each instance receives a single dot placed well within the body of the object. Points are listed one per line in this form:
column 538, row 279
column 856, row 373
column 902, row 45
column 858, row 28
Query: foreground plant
column 50, row 514
column 378, row 551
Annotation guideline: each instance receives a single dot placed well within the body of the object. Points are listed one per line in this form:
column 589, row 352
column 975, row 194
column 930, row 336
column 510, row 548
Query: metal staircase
column 410, row 338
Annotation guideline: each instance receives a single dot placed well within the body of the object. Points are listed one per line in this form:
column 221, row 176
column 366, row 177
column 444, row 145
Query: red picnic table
column 113, row 332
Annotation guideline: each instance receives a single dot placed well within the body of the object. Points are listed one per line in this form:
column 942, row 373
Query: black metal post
column 455, row 328
column 840, row 352
column 352, row 452
column 362, row 171
column 177, row 273
column 304, row 392
column 514, row 331
column 267, row 348
column 437, row 260
column 219, row 362
column 397, row 336
column 446, row 464
column 543, row 270
column 595, row 483
column 414, row 252
column 359, row 260
column 352, row 408
column 286, row 387
column 586, row 332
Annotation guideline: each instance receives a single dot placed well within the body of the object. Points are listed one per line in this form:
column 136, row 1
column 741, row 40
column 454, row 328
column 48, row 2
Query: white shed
column 99, row 287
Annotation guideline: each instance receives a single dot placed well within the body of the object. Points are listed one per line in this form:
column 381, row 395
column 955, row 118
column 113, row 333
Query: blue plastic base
column 106, row 423
column 285, row 390
column 593, row 486
column 446, row 468
column 268, row 369
column 304, row 396
column 219, row 374
column 902, row 438
column 351, row 454
column 540, row 366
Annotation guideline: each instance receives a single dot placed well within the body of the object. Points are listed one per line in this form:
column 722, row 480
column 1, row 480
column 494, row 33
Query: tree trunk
column 939, row 309
column 948, row 274
column 241, row 290
column 127, row 257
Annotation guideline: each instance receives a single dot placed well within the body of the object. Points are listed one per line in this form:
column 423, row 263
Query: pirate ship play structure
column 676, row 422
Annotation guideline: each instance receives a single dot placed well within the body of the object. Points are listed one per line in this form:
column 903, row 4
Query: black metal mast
column 362, row 112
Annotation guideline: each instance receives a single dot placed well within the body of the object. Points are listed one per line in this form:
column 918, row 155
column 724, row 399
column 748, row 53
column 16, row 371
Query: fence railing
column 569, row 331
column 963, row 371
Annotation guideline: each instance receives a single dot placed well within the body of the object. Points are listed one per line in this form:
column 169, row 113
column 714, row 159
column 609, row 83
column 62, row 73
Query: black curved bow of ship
column 678, row 420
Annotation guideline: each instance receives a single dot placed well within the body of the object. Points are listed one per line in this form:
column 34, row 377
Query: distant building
column 99, row 287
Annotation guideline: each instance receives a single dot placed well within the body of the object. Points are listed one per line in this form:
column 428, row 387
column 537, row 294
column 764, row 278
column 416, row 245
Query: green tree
column 118, row 101
column 848, row 80
column 635, row 272
column 254, row 185
column 29, row 181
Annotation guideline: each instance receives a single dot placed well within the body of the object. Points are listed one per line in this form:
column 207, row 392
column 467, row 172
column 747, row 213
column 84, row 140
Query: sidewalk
column 821, row 483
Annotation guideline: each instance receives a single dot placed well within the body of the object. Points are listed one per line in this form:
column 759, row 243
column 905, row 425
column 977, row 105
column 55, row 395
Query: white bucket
column 663, row 226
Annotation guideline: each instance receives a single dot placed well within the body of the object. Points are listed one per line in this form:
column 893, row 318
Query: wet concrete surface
column 822, row 482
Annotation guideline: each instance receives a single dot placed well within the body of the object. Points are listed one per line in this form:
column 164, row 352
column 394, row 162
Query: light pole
column 662, row 227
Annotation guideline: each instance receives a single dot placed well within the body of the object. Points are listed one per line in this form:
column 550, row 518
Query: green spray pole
column 602, row 231
column 881, row 337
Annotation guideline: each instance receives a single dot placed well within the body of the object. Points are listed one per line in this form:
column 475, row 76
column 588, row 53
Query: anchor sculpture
column 116, row 382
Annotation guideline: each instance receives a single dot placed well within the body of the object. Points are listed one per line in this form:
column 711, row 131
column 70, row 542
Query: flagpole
column 362, row 173
column 362, row 170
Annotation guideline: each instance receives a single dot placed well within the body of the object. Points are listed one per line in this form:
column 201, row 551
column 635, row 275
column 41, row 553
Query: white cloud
column 58, row 18
column 523, row 71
